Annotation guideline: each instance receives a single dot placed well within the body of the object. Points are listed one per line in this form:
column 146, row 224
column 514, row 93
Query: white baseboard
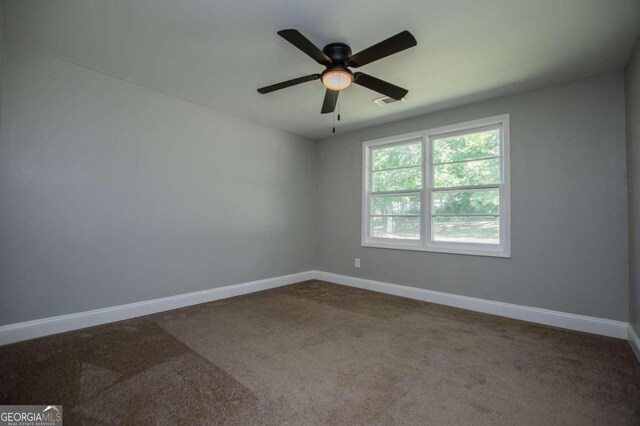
column 634, row 342
column 601, row 326
column 52, row 325
column 43, row 327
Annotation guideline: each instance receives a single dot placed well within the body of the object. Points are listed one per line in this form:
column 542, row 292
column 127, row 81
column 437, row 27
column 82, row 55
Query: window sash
column 398, row 168
column 427, row 241
column 455, row 214
column 493, row 157
column 465, row 187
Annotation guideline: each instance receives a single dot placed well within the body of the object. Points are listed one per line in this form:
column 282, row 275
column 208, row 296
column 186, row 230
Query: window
column 444, row 190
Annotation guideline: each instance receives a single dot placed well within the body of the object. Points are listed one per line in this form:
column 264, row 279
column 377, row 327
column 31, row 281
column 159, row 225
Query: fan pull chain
column 334, row 121
column 339, row 102
column 336, row 105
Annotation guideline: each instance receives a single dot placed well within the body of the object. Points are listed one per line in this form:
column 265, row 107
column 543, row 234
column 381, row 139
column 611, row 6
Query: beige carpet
column 314, row 353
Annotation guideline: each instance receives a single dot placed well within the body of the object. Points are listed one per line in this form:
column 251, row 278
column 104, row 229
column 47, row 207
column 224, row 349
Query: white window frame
column 426, row 242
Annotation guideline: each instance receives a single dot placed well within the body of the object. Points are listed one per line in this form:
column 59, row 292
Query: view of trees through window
column 396, row 186
column 465, row 194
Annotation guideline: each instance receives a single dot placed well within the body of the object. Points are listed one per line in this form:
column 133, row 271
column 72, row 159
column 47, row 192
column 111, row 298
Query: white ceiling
column 217, row 53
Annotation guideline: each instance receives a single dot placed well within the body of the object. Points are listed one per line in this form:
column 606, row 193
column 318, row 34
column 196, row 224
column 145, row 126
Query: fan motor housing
column 338, row 52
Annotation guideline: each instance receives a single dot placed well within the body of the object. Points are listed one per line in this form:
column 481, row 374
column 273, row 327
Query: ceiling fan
column 337, row 59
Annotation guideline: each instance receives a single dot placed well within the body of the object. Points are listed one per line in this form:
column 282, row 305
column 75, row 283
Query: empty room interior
column 341, row 212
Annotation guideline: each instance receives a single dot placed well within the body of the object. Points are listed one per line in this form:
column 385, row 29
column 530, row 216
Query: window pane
column 479, row 172
column 397, row 180
column 395, row 204
column 483, row 201
column 395, row 227
column 397, row 156
column 467, row 147
column 467, row 229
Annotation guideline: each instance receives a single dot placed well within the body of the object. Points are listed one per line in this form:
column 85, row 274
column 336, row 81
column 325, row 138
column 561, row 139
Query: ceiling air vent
column 387, row 100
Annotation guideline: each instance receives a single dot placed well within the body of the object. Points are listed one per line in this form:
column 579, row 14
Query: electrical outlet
column 357, row 262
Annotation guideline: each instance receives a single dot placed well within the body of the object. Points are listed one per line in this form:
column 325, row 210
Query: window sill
column 467, row 250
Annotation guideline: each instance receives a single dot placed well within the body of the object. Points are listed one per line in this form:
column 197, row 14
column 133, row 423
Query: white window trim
column 425, row 244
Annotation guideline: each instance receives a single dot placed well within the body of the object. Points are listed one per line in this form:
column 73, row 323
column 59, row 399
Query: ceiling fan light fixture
column 338, row 60
column 337, row 79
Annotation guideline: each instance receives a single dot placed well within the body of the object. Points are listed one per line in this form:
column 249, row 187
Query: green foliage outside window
column 461, row 160
column 467, row 147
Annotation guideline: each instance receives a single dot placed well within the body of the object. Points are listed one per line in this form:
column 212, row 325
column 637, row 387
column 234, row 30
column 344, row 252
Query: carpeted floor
column 314, row 353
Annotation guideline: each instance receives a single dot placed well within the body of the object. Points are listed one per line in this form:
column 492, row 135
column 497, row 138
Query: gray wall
column 632, row 92
column 112, row 193
column 569, row 205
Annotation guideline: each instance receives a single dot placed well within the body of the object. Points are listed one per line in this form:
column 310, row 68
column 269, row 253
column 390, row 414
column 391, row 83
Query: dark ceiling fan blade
column 395, row 44
column 288, row 83
column 301, row 42
column 330, row 101
column 379, row 86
